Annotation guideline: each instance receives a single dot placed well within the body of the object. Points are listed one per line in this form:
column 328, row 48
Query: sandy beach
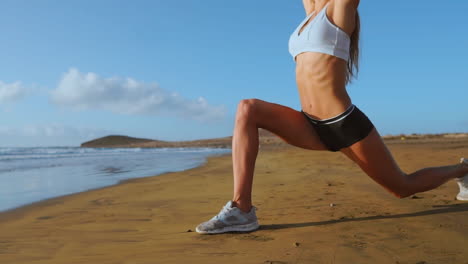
column 313, row 207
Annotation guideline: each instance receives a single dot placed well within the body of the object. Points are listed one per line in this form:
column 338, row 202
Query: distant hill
column 131, row 142
column 114, row 140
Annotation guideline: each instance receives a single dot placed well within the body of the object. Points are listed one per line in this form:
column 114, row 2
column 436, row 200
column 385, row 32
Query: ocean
column 32, row 174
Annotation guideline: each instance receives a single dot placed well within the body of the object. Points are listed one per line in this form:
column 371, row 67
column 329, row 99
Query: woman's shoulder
column 309, row 6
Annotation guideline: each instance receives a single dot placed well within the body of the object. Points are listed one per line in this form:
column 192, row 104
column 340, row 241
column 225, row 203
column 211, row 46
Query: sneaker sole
column 236, row 228
column 463, row 195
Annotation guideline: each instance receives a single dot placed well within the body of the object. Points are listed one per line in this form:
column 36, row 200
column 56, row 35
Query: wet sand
column 313, row 207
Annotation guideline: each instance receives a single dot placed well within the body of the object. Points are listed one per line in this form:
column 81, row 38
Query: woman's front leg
column 285, row 122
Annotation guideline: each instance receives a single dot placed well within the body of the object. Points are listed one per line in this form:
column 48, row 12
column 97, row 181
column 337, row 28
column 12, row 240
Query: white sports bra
column 320, row 35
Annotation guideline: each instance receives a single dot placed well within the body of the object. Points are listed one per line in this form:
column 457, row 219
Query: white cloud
column 10, row 92
column 82, row 91
column 48, row 130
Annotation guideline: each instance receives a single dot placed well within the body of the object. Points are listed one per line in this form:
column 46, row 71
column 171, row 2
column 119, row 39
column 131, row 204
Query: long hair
column 353, row 62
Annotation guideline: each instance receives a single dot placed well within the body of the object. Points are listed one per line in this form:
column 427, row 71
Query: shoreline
column 124, row 181
column 143, row 219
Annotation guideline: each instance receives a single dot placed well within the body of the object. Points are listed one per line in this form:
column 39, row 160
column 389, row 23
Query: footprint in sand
column 44, row 217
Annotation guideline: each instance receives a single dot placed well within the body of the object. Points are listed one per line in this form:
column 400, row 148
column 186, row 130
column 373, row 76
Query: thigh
column 288, row 124
column 375, row 160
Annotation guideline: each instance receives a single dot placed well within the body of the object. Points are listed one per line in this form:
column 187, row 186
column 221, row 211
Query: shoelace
column 224, row 210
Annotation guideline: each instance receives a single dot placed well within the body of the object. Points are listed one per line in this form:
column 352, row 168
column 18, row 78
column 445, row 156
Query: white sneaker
column 230, row 219
column 463, row 184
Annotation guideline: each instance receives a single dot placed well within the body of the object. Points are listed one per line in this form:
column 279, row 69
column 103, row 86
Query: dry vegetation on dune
column 266, row 138
column 131, row 142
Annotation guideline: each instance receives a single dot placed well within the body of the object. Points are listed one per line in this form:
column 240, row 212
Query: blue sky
column 71, row 71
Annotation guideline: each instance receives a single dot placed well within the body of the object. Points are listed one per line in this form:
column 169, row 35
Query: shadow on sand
column 440, row 209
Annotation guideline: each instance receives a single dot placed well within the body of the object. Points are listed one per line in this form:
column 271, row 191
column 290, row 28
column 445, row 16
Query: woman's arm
column 344, row 14
column 351, row 3
column 309, row 6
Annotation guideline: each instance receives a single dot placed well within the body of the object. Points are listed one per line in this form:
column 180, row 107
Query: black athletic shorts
column 343, row 130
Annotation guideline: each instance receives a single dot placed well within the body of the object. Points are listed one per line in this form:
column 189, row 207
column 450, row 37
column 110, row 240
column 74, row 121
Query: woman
column 325, row 49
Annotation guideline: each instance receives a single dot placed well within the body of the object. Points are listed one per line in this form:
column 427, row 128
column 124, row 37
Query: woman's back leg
column 375, row 160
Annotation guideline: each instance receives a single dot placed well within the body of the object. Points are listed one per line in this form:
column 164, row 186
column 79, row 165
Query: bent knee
column 246, row 109
column 402, row 194
column 400, row 186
